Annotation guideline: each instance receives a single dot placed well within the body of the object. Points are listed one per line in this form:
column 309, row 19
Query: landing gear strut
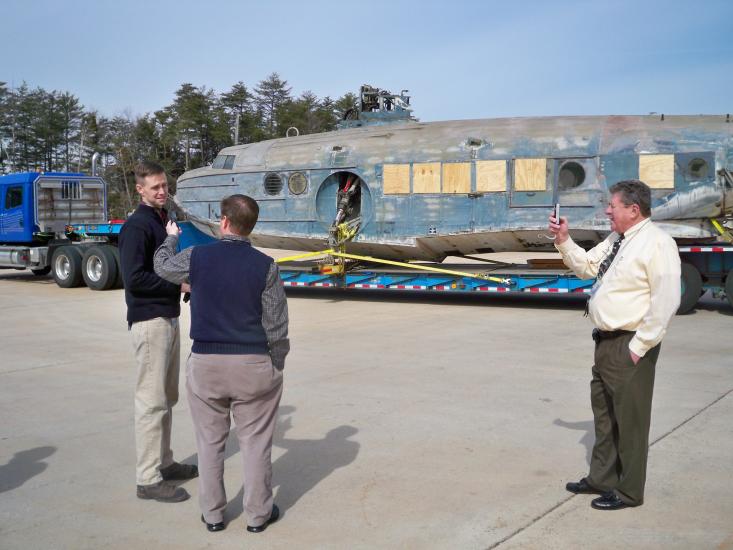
column 345, row 208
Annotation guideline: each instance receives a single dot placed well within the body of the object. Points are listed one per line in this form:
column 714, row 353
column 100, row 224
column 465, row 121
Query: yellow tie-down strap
column 330, row 252
column 724, row 233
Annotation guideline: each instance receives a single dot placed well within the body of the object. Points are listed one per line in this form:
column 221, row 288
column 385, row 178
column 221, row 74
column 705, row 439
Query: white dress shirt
column 640, row 292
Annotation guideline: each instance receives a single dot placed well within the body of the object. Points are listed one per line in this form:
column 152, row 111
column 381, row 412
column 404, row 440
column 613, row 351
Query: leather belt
column 599, row 335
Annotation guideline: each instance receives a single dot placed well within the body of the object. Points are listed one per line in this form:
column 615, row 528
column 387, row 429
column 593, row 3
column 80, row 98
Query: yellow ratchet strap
column 724, row 233
column 398, row 264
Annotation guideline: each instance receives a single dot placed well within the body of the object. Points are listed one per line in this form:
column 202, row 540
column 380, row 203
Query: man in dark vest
column 153, row 307
column 239, row 328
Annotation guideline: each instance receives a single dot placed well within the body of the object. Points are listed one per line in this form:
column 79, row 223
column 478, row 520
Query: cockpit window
column 225, row 162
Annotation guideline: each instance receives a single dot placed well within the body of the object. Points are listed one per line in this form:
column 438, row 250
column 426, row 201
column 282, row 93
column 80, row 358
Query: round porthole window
column 697, row 169
column 572, row 174
column 273, row 184
column 297, row 183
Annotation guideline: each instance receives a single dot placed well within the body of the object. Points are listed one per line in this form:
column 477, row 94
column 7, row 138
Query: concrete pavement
column 450, row 422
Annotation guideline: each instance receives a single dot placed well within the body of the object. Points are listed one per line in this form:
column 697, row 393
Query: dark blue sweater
column 147, row 295
column 227, row 279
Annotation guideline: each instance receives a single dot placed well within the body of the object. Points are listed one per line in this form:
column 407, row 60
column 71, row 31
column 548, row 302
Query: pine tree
column 70, row 113
column 4, row 126
column 272, row 93
column 239, row 102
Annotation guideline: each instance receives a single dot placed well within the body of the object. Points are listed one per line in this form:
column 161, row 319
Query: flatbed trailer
column 715, row 262
column 704, row 268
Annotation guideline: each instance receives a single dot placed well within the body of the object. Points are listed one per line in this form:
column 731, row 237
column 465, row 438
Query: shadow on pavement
column 587, row 439
column 23, row 466
column 305, row 463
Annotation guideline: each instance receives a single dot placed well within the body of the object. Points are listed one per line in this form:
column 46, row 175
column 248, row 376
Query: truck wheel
column 66, row 266
column 118, row 282
column 99, row 268
column 41, row 271
column 691, row 287
column 729, row 287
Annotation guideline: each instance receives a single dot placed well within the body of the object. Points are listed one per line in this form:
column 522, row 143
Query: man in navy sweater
column 239, row 327
column 153, row 307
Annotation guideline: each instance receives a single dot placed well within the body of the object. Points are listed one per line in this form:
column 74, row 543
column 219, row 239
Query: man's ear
column 139, row 189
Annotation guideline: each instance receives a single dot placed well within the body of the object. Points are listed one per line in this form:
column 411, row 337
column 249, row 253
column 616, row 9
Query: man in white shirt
column 636, row 293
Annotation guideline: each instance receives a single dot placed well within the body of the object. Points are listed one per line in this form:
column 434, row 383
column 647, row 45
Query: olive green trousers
column 621, row 397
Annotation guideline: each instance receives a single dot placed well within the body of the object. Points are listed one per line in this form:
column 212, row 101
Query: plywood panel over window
column 530, row 174
column 426, row 177
column 396, row 179
column 457, row 177
column 490, row 176
column 657, row 171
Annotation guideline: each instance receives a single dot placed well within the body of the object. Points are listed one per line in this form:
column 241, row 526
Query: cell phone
column 556, row 214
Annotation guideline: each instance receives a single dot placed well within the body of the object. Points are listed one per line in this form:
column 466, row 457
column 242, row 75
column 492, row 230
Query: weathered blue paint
column 429, row 226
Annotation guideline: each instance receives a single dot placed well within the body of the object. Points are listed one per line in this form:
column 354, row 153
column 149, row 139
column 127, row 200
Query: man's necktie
column 605, row 264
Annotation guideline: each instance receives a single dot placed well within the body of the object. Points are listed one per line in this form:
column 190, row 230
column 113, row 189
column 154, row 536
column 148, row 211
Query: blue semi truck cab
column 40, row 214
column 35, row 207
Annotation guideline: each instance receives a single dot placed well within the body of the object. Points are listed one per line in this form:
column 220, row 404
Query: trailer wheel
column 691, row 287
column 118, row 282
column 99, row 268
column 66, row 266
column 41, row 271
column 729, row 287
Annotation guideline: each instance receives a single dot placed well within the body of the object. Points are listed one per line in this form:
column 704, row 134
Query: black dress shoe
column 179, row 471
column 609, row 501
column 273, row 518
column 582, row 487
column 213, row 527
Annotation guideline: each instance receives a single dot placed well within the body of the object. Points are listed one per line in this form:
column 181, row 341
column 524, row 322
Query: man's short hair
column 147, row 168
column 242, row 212
column 634, row 192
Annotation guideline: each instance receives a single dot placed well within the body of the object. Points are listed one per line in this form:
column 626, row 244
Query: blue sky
column 459, row 59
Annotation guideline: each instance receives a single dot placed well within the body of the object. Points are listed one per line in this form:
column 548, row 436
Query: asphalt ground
column 407, row 421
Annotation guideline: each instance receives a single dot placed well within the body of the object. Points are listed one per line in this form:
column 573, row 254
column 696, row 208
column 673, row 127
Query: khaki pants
column 621, row 397
column 250, row 387
column 157, row 352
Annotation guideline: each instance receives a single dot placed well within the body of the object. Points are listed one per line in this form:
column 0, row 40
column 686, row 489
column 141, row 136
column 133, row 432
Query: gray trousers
column 249, row 387
column 621, row 397
column 157, row 353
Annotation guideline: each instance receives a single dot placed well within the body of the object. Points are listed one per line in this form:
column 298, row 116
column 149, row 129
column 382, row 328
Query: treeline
column 52, row 131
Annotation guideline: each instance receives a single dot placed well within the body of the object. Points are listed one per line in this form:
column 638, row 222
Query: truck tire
column 41, row 271
column 99, row 267
column 729, row 287
column 66, row 266
column 691, row 287
column 118, row 282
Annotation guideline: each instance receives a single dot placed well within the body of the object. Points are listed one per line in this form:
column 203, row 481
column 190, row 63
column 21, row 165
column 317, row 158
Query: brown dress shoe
column 179, row 471
column 162, row 492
